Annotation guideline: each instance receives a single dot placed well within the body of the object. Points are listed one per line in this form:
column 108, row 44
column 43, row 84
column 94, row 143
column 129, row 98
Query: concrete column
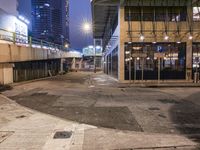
column 73, row 63
column 189, row 60
column 61, row 64
column 122, row 36
column 80, row 63
column 6, row 73
column 46, row 69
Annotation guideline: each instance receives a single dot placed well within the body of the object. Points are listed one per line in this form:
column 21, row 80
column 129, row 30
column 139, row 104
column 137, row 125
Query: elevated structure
column 22, row 60
column 148, row 40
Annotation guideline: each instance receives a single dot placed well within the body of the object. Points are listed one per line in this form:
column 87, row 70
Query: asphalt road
column 98, row 100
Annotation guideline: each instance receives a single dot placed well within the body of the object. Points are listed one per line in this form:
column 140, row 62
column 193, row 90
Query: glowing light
column 138, row 58
column 67, row 45
column 142, row 37
column 98, row 47
column 190, row 37
column 166, row 37
column 87, row 27
column 90, row 47
column 22, row 18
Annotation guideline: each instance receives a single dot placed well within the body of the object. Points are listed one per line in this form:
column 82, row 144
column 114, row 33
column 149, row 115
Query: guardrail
column 28, row 41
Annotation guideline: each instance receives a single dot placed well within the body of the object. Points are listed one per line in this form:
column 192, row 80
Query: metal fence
column 28, row 41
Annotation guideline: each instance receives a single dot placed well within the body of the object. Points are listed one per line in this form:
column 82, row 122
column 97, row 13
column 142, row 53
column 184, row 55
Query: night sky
column 80, row 12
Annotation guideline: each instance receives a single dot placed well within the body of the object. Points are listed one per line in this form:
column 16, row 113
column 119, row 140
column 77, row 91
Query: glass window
column 196, row 13
column 196, row 57
column 150, row 13
column 145, row 57
column 112, row 63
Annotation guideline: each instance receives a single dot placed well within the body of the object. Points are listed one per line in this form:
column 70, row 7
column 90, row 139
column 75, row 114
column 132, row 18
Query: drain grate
column 62, row 135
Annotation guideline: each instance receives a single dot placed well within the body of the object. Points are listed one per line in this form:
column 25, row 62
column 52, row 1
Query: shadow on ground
column 110, row 117
column 186, row 116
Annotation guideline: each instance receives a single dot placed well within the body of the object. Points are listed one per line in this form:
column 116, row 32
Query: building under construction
column 147, row 40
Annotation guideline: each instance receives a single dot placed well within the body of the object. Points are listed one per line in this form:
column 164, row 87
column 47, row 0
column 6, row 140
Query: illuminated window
column 196, row 13
column 47, row 5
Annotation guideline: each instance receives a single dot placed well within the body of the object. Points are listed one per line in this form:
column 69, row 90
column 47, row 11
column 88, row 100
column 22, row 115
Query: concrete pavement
column 82, row 98
column 31, row 130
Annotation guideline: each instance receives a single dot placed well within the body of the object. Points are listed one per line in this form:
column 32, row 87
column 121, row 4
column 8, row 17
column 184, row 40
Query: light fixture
column 90, row 47
column 138, row 58
column 166, row 37
column 178, row 42
column 66, row 45
column 154, row 42
column 142, row 37
column 190, row 37
column 129, row 42
column 127, row 52
column 148, row 58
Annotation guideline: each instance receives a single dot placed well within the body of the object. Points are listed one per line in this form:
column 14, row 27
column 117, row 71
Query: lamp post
column 87, row 29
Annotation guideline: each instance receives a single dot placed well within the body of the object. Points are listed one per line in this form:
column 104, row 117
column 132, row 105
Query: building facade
column 50, row 20
column 147, row 40
column 12, row 24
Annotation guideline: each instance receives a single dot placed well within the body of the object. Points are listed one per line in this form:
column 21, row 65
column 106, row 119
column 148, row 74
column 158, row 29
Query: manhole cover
column 62, row 135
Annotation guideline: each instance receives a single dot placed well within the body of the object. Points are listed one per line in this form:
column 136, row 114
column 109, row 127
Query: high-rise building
column 24, row 11
column 50, row 20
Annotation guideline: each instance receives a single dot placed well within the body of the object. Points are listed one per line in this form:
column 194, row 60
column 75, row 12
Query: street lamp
column 66, row 45
column 86, row 27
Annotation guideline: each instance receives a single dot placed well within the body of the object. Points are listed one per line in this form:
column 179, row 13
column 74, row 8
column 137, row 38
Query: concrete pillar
column 73, row 64
column 80, row 63
column 189, row 61
column 122, row 36
column 6, row 73
column 61, row 65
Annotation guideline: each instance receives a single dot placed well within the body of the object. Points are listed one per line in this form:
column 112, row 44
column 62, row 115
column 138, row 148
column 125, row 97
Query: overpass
column 25, row 58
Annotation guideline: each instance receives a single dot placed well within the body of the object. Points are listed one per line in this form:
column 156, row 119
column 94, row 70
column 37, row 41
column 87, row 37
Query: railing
column 28, row 41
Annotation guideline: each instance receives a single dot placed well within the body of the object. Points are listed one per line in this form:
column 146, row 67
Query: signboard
column 159, row 55
column 141, row 55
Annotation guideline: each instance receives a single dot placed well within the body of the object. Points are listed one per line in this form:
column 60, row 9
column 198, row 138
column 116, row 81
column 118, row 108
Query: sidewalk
column 25, row 129
column 161, row 84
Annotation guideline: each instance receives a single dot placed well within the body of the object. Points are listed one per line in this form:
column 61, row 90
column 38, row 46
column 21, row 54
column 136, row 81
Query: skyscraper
column 50, row 20
column 24, row 10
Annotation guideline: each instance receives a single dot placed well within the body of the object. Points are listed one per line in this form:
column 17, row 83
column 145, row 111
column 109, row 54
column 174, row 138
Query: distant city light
column 22, row 18
column 47, row 5
column 67, row 45
column 98, row 47
column 91, row 46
